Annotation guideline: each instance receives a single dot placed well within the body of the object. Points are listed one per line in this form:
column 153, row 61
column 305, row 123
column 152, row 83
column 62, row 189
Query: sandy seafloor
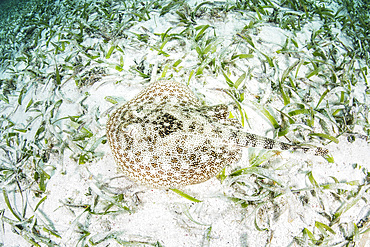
column 160, row 217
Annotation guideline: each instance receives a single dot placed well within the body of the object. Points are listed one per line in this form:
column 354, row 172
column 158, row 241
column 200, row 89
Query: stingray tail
column 251, row 140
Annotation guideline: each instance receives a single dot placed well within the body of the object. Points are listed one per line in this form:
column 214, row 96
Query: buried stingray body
column 165, row 138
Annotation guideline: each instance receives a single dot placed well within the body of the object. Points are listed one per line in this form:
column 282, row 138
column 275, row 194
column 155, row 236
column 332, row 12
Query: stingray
column 165, row 138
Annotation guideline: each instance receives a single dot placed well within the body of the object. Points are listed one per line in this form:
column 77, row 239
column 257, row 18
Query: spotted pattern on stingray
column 165, row 138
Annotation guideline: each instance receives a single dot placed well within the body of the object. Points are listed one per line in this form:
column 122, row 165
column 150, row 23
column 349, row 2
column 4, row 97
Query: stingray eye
column 139, row 109
column 132, row 131
column 139, row 113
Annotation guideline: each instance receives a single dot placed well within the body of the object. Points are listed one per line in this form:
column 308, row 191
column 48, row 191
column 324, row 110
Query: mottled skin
column 165, row 138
